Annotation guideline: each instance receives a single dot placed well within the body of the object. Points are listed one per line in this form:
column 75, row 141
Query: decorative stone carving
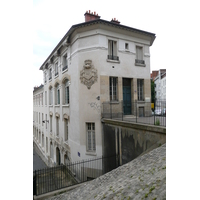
column 88, row 75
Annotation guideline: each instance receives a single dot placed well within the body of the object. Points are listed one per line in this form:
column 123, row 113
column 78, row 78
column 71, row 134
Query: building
column 160, row 84
column 96, row 61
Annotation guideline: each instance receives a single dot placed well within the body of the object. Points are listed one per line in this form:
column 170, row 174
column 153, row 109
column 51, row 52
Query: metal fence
column 54, row 178
column 138, row 112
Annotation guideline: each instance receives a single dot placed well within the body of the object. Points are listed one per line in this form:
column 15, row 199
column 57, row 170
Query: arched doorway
column 57, row 156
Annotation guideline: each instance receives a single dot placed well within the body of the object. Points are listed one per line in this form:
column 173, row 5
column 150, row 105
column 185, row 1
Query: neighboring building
column 160, row 84
column 95, row 62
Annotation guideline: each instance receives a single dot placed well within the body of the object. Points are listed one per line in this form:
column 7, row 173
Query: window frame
column 139, row 59
column 90, row 137
column 56, row 69
column 66, row 92
column 113, row 88
column 113, row 50
column 66, row 130
column 140, row 89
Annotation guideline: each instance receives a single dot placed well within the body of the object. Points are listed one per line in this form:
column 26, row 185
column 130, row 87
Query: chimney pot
column 89, row 16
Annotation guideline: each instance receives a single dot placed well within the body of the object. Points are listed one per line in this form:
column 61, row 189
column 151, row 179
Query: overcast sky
column 52, row 19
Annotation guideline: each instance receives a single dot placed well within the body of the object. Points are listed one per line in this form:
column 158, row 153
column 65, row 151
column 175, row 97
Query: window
column 45, row 77
column 46, row 121
column 56, row 69
column 50, row 74
column 57, row 95
column 42, row 99
column 65, row 63
column 45, row 97
column 51, row 96
column 140, row 89
column 57, row 126
column 66, row 92
column 139, row 55
column 66, row 129
column 126, row 46
column 91, row 143
column 51, row 123
column 113, row 89
column 112, row 50
column 42, row 118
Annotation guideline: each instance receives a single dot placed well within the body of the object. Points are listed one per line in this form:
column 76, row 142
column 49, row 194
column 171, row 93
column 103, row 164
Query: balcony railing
column 111, row 57
column 139, row 61
column 64, row 68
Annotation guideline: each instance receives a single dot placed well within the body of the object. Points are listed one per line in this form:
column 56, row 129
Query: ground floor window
column 66, row 129
column 91, row 142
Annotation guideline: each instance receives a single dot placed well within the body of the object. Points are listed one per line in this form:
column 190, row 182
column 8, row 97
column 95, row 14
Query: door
column 127, row 96
column 57, row 156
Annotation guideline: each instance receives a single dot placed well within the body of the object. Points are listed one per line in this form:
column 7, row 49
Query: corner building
column 95, row 62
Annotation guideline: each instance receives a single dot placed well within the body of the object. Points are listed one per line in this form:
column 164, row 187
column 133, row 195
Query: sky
column 52, row 19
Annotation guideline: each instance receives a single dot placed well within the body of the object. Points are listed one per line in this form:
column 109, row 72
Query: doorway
column 57, row 156
column 127, row 96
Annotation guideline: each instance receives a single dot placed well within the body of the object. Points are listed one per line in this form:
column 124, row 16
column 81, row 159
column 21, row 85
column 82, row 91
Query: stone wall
column 130, row 140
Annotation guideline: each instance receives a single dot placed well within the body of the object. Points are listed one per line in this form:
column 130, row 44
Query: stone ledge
column 133, row 125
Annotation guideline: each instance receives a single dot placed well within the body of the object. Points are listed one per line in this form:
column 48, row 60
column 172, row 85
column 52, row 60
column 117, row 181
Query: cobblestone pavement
column 142, row 178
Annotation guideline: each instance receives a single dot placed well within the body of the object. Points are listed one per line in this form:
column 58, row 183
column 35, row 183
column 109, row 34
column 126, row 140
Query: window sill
column 57, row 105
column 140, row 65
column 56, row 76
column 65, row 105
column 113, row 61
column 91, row 153
column 64, row 71
column 114, row 102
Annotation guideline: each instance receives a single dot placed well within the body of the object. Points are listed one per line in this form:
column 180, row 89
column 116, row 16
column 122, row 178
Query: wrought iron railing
column 111, row 57
column 54, row 178
column 137, row 112
column 64, row 68
column 139, row 61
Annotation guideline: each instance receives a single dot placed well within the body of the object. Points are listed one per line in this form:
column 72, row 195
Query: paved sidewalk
column 37, row 161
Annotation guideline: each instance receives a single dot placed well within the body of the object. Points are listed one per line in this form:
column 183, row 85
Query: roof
column 98, row 21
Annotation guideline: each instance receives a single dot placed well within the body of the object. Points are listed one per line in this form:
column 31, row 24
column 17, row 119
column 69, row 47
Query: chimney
column 89, row 16
column 115, row 21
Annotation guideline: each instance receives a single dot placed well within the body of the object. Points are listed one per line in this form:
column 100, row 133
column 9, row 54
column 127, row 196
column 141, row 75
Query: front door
column 127, row 96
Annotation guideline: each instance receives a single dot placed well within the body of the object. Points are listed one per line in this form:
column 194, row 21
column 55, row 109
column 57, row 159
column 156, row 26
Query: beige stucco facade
column 86, row 48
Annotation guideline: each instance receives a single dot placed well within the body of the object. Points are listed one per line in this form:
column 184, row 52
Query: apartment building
column 160, row 84
column 96, row 61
